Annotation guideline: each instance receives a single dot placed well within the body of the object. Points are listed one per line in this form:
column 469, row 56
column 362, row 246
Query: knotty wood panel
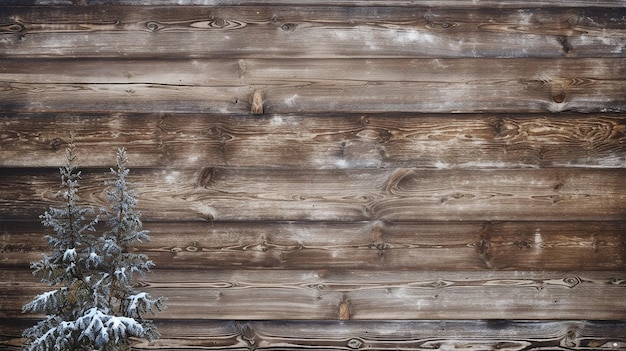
column 342, row 195
column 335, row 205
column 293, row 294
column 378, row 335
column 227, row 86
column 313, row 31
column 377, row 246
column 318, row 141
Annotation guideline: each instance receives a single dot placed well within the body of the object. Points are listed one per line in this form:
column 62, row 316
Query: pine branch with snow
column 94, row 304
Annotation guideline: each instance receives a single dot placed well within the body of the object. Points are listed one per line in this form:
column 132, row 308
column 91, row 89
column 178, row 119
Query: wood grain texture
column 405, row 194
column 376, row 246
column 422, row 171
column 474, row 4
column 367, row 295
column 323, row 141
column 306, row 86
column 366, row 335
column 314, row 31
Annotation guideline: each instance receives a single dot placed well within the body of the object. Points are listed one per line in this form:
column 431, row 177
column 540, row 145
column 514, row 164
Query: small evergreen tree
column 94, row 305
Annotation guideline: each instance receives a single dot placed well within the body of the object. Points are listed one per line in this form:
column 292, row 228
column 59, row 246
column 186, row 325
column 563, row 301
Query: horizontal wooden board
column 474, row 4
column 315, row 31
column 320, row 294
column 377, row 246
column 306, row 86
column 404, row 194
column 378, row 335
column 318, row 141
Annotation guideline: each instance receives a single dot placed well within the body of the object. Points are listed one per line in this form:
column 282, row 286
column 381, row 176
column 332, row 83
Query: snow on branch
column 96, row 304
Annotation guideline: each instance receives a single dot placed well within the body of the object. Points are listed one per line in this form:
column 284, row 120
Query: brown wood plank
column 474, row 4
column 318, row 141
column 422, row 30
column 377, row 246
column 405, row 194
column 305, row 86
column 378, row 335
column 318, row 294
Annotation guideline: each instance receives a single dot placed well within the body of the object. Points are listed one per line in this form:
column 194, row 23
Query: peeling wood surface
column 335, row 175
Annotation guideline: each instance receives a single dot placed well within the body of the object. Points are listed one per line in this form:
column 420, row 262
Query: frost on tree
column 94, row 304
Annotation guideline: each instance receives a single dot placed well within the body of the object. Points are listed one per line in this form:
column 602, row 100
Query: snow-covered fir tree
column 94, row 304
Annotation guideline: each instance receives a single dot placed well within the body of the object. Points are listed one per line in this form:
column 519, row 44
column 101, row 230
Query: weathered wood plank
column 406, row 194
column 314, row 31
column 318, row 141
column 558, row 74
column 305, row 86
column 378, row 335
column 474, row 4
column 378, row 246
column 310, row 294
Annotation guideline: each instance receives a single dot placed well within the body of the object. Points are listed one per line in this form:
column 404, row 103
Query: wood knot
column 559, row 97
column 565, row 44
column 572, row 281
column 56, row 143
column 344, row 311
column 247, row 333
column 16, row 27
column 355, row 343
column 219, row 23
column 204, row 180
column 289, row 26
column 257, row 103
column 153, row 26
column 483, row 246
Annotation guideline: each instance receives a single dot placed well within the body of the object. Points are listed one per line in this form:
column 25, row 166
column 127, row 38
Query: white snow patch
column 341, row 163
column 193, row 158
column 134, row 299
column 538, row 240
column 412, row 36
column 69, row 254
column 481, row 165
column 441, row 165
column 290, row 101
column 524, row 16
column 205, row 210
column 612, row 161
column 277, row 120
column 172, row 177
column 438, row 64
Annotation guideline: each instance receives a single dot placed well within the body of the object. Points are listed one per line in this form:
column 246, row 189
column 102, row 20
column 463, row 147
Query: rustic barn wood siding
column 335, row 174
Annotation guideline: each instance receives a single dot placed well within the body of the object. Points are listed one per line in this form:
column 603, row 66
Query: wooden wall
column 424, row 175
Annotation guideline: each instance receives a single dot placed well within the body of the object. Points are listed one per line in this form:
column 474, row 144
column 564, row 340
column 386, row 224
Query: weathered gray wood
column 305, row 86
column 318, row 141
column 379, row 246
column 314, row 31
column 318, row 294
column 405, row 194
column 378, row 335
